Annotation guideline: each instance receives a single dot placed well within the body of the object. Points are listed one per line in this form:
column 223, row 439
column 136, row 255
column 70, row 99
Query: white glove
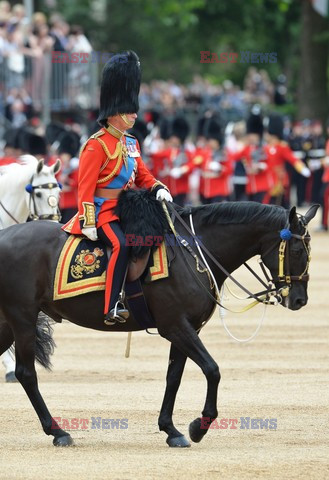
column 176, row 172
column 215, row 166
column 90, row 232
column 306, row 172
column 163, row 194
column 262, row 166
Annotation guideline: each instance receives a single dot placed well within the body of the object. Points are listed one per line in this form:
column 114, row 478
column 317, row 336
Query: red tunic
column 277, row 155
column 260, row 177
column 104, row 165
column 164, row 161
column 214, row 183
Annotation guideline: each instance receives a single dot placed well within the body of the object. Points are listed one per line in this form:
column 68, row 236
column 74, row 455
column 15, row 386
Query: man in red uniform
column 254, row 159
column 215, row 164
column 175, row 162
column 110, row 161
column 278, row 152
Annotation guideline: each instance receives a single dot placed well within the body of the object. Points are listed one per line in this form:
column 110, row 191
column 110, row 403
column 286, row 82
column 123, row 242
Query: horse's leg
column 25, row 338
column 185, row 338
column 175, row 370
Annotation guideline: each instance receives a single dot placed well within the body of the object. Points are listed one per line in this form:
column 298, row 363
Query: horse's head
column 288, row 259
column 43, row 192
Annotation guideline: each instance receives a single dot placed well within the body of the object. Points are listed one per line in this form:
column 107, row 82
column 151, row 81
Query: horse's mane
column 238, row 213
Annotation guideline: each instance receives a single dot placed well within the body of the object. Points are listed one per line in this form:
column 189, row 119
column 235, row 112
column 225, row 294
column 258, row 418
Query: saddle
column 82, row 263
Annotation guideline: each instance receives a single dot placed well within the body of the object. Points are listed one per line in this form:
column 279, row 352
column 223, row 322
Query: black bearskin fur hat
column 180, row 128
column 120, row 86
column 275, row 125
column 212, row 129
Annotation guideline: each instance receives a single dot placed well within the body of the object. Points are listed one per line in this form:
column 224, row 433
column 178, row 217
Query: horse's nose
column 299, row 303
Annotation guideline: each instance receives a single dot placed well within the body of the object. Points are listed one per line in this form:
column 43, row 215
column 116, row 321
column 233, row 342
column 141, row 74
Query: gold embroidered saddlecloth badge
column 86, row 262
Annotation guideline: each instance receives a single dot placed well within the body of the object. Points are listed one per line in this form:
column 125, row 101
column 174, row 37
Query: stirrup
column 118, row 314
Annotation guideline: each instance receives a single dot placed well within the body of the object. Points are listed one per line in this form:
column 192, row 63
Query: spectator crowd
column 206, row 142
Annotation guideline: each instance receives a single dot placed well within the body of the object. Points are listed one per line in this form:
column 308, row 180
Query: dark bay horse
column 232, row 232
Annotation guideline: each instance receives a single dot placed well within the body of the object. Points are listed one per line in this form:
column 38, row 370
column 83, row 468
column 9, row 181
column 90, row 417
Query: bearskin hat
column 36, row 145
column 180, row 128
column 275, row 125
column 255, row 121
column 53, row 131
column 140, row 127
column 212, row 129
column 165, row 128
column 120, row 86
column 69, row 142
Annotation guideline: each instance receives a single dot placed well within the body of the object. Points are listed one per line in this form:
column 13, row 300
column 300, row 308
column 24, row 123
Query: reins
column 8, row 213
column 258, row 297
column 271, row 294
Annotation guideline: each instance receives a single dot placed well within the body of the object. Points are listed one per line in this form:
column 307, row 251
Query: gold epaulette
column 95, row 135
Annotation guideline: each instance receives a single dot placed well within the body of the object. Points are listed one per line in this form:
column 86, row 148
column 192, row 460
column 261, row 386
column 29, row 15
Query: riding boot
column 114, row 309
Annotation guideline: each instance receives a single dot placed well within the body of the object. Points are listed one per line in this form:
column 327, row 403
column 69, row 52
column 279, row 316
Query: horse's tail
column 45, row 343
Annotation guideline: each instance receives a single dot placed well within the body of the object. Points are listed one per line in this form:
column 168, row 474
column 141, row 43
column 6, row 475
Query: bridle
column 284, row 277
column 52, row 201
column 33, row 213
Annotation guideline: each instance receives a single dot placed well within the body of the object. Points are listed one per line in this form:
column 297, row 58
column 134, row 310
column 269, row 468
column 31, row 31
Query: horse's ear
column 40, row 165
column 292, row 215
column 57, row 166
column 311, row 212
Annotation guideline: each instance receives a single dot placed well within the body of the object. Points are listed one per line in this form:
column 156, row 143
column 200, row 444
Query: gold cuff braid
column 88, row 217
column 158, row 183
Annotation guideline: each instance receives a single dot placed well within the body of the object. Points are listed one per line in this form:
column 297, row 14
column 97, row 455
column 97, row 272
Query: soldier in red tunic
column 175, row 162
column 110, row 161
column 254, row 159
column 278, row 153
column 215, row 164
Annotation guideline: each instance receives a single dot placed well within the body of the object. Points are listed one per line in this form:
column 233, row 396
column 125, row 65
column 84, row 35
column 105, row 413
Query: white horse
column 28, row 191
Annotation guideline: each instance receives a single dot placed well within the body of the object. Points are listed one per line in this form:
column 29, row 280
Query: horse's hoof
column 63, row 441
column 195, row 431
column 178, row 442
column 11, row 378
